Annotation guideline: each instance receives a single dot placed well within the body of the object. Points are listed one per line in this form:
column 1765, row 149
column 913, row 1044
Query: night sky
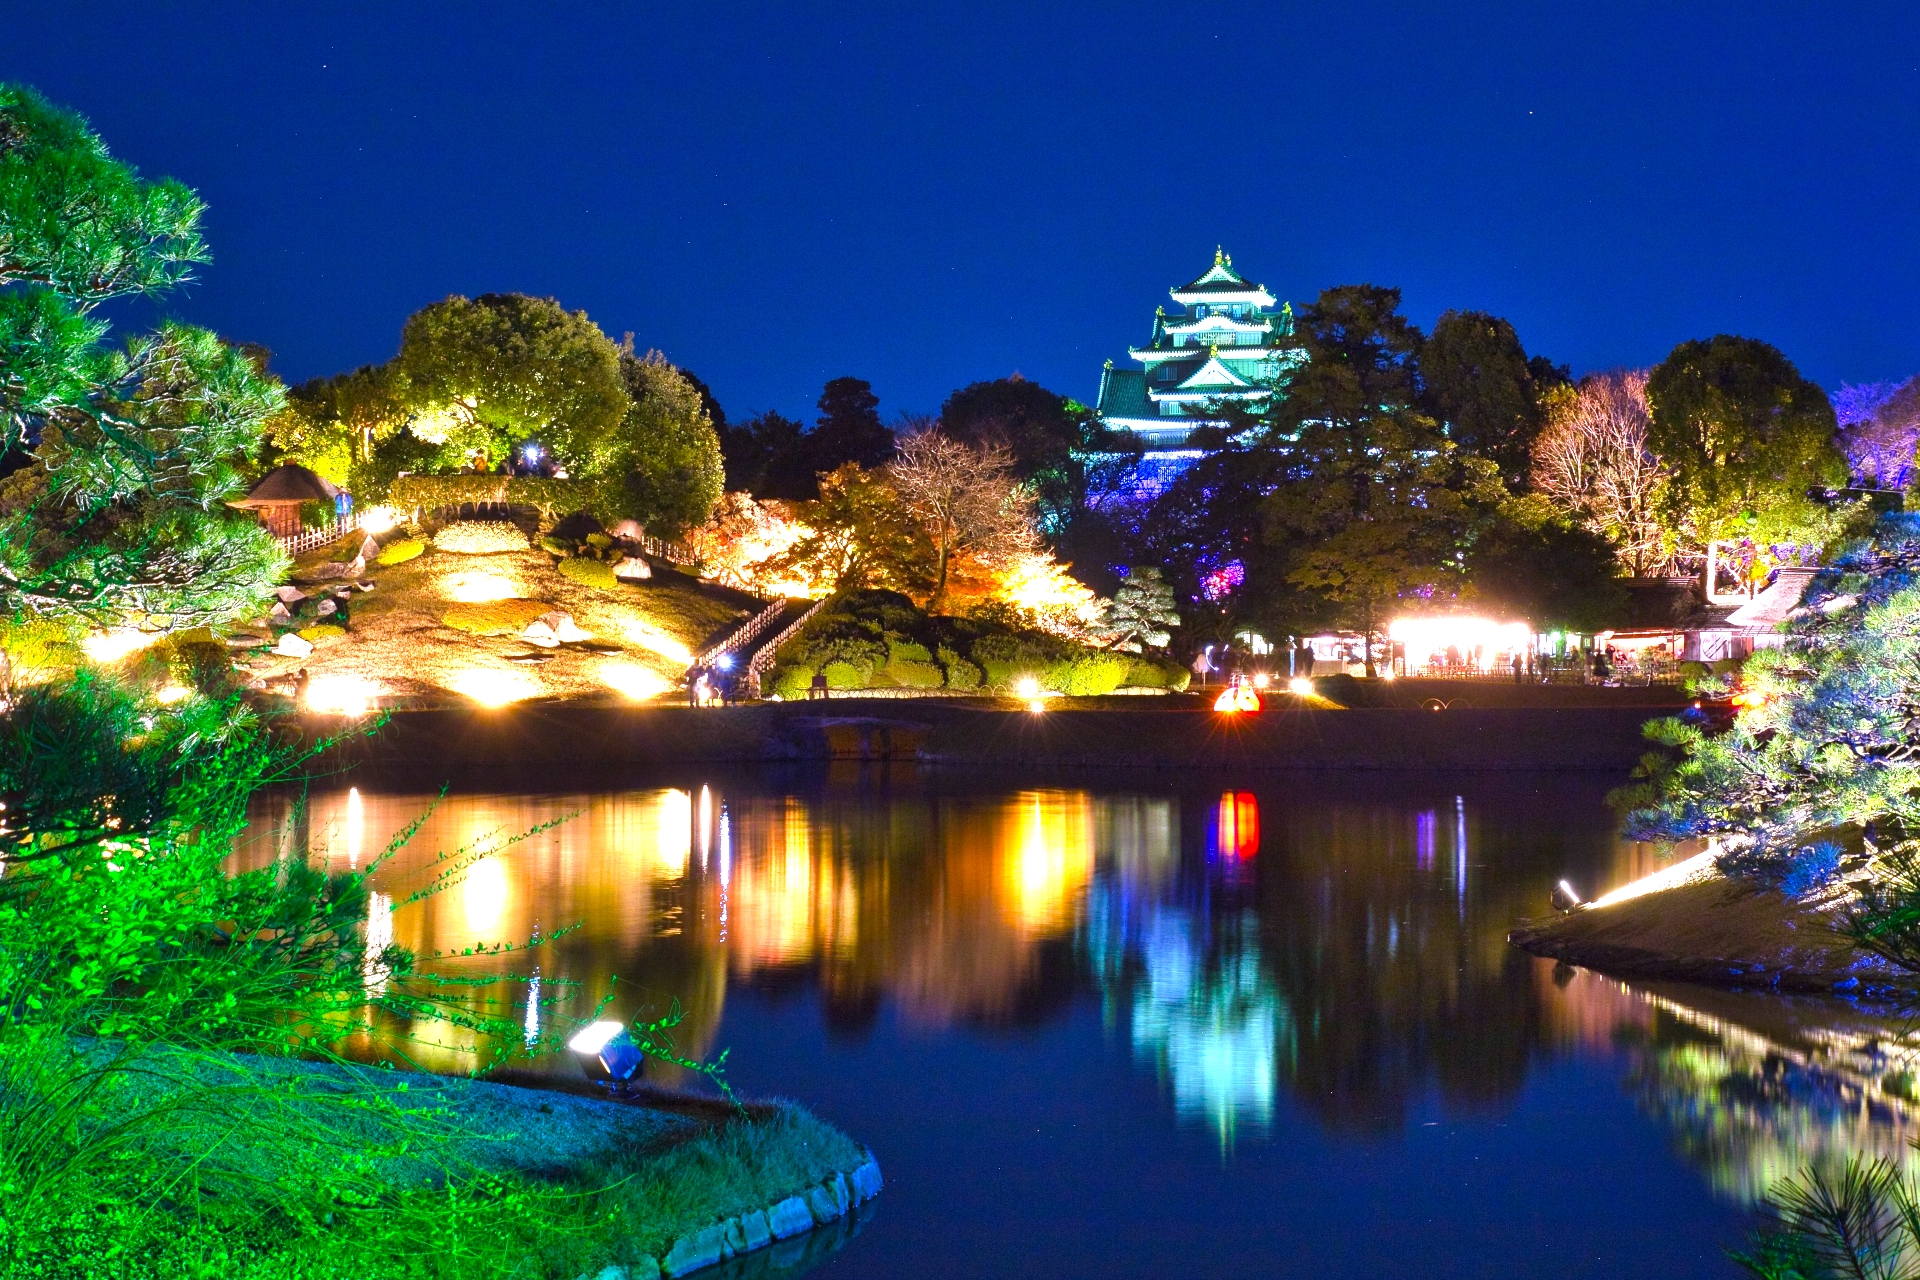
column 928, row 195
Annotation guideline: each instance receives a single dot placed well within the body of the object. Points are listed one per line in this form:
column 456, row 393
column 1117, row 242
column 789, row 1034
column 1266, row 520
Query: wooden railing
column 295, row 544
column 762, row 660
column 748, row 631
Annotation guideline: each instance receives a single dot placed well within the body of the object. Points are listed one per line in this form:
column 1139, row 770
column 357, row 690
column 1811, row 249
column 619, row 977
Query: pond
column 1148, row 1024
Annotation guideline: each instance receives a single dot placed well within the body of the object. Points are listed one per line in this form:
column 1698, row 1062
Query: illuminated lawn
column 443, row 627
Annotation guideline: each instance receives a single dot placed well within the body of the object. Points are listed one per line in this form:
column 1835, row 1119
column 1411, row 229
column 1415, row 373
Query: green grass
column 436, row 1179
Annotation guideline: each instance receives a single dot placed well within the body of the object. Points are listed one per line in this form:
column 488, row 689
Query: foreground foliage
column 134, row 449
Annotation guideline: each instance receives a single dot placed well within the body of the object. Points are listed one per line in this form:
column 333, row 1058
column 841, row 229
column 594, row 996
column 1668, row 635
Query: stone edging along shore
column 794, row 1216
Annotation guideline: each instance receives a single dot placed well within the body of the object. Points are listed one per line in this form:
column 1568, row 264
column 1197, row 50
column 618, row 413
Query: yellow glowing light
column 674, row 834
column 342, row 695
column 1051, row 860
column 1237, row 697
column 1036, row 706
column 171, row 694
column 1699, row 864
column 484, row 896
column 1039, row 583
column 378, row 519
column 1027, row 688
column 1261, row 680
column 356, row 826
column 1475, row 641
column 664, row 645
column 1300, row 686
column 492, row 688
column 111, row 646
column 632, row 679
column 476, row 586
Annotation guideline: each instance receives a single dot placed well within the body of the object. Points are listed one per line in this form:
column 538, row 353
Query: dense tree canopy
column 661, row 466
column 487, row 373
column 773, row 456
column 1374, row 500
column 1743, row 436
column 119, row 515
column 332, row 425
column 1481, row 386
column 1044, row 433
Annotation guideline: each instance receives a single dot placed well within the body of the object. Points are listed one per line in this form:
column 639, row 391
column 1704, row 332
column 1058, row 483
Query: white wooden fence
column 762, row 660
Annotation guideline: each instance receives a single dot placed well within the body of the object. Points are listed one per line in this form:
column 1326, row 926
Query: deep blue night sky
column 928, row 195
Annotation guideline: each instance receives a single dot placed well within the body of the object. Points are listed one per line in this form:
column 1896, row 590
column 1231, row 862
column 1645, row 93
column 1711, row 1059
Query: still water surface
column 1125, row 1025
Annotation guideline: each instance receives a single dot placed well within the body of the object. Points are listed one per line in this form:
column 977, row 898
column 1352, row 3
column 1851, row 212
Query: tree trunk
column 1366, row 640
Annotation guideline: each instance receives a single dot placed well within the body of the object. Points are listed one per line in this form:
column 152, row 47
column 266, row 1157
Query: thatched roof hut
column 277, row 496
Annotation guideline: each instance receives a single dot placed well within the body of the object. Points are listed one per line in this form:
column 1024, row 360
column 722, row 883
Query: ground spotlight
column 1028, row 688
column 607, row 1053
column 1300, row 686
column 1564, row 898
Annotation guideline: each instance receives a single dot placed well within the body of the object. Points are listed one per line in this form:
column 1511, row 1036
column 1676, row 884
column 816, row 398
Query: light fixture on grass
column 1028, row 688
column 1564, row 898
column 1300, row 687
column 1036, row 706
column 607, row 1053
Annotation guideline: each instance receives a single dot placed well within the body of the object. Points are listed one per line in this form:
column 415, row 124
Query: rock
column 363, row 586
column 529, row 659
column 865, row 1182
column 563, row 628
column 355, row 567
column 293, row 646
column 330, row 570
column 245, row 642
column 841, row 1199
column 690, row 1253
column 821, row 1205
column 289, row 595
column 736, row 1238
column 326, row 607
column 369, row 548
column 630, row 530
column 753, row 1226
column 648, row 1268
column 540, row 633
column 280, row 613
column 790, row 1217
column 633, row 569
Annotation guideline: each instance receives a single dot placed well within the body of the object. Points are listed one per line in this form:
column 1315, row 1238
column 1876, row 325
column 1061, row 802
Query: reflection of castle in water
column 1350, row 954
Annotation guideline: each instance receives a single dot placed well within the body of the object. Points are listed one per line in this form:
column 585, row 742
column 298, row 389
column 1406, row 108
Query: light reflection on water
column 1261, row 953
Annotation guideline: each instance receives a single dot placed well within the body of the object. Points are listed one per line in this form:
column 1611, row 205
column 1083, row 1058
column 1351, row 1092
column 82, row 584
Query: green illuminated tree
column 1744, row 436
column 334, row 424
column 1142, row 614
column 487, row 373
column 1046, row 434
column 860, row 534
column 661, row 465
column 1372, row 499
column 119, row 514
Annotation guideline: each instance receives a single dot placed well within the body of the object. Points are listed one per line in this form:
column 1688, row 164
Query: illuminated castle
column 1225, row 346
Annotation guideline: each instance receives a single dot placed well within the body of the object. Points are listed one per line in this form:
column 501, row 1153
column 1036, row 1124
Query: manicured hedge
column 589, row 573
column 551, row 498
column 880, row 639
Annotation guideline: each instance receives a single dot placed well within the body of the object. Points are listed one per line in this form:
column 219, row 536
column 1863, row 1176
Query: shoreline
column 1715, row 931
column 945, row 732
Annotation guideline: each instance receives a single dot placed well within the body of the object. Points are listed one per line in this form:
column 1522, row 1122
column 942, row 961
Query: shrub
column 480, row 538
column 589, row 573
column 495, row 618
column 559, row 546
column 792, row 682
column 1142, row 674
column 915, row 675
column 961, row 674
column 906, row 651
column 31, row 644
column 1093, row 674
column 844, row 675
column 400, row 552
column 429, row 493
column 1812, row 867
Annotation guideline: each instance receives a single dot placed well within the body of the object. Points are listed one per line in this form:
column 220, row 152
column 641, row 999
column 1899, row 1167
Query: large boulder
column 632, row 569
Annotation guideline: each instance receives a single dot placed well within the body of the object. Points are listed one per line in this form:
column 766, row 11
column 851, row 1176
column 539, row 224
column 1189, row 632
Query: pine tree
column 1142, row 612
column 118, row 514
